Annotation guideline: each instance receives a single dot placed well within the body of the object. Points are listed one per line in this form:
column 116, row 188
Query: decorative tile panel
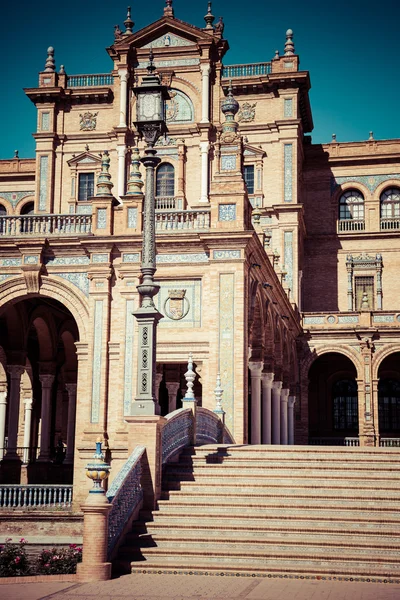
column 331, row 319
column 14, row 197
column 66, row 260
column 5, row 276
column 128, row 365
column 370, row 181
column 288, row 257
column 31, row 260
column 79, row 279
column 181, row 258
column 314, row 320
column 288, row 172
column 96, row 375
column 45, row 122
column 179, row 62
column 84, row 209
column 133, row 257
column 101, row 218
column 228, row 162
column 348, row 319
column 226, row 254
column 169, row 39
column 132, row 217
column 189, row 303
column 179, row 108
column 170, row 152
column 227, row 212
column 100, row 258
column 43, row 181
column 288, row 107
column 383, row 319
column 226, row 343
column 11, row 262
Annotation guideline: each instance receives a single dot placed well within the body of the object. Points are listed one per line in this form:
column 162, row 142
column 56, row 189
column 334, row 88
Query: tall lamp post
column 150, row 123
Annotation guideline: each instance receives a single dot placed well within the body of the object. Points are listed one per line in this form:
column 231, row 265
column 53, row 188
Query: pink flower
column 22, row 541
column 47, row 565
column 17, row 560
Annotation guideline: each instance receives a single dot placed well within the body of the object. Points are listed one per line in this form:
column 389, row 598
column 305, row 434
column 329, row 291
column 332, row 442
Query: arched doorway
column 38, row 336
column 389, row 396
column 333, row 400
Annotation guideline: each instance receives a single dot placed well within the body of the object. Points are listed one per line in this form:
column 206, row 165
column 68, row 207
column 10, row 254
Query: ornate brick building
column 276, row 259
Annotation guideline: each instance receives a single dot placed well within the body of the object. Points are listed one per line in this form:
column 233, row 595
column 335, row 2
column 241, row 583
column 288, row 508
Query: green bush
column 59, row 561
column 13, row 559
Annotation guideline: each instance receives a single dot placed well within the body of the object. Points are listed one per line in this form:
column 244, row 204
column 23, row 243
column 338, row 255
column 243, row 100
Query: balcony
column 182, row 220
column 168, row 203
column 350, row 225
column 392, row 224
column 98, row 80
column 351, row 319
column 250, row 70
column 38, row 225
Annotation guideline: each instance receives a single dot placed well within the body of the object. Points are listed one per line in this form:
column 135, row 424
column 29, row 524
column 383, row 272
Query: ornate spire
column 104, row 184
column 229, row 107
column 289, row 46
column 129, row 24
column 50, row 65
column 168, row 10
column 135, row 182
column 219, row 28
column 209, row 18
column 62, row 70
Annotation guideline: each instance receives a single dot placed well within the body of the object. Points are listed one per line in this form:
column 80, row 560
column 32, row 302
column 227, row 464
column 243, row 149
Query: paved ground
column 202, row 587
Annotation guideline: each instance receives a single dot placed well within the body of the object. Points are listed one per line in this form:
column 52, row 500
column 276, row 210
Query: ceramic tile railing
column 35, row 496
column 97, row 80
column 250, row 70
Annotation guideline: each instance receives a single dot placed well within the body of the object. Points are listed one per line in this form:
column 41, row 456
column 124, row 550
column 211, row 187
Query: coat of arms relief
column 247, row 112
column 88, row 121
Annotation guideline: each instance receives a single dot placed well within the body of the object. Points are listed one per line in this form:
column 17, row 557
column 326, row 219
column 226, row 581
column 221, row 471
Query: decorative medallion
column 247, row 112
column 88, row 121
column 165, row 140
column 176, row 305
column 179, row 108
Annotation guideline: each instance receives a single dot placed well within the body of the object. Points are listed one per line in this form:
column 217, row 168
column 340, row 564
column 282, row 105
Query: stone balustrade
column 247, row 70
column 390, row 224
column 35, row 496
column 350, row 225
column 37, row 225
column 91, row 80
column 334, row 441
column 350, row 319
column 182, row 220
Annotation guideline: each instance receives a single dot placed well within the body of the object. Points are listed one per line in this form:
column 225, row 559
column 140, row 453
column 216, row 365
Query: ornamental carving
column 176, row 305
column 88, row 121
column 247, row 112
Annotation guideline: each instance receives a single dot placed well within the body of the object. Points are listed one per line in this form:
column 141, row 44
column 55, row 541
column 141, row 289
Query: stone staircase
column 273, row 509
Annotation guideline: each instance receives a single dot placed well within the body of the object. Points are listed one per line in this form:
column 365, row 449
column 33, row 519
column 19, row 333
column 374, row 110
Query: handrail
column 35, row 496
column 176, row 432
column 210, row 429
column 14, row 225
column 389, row 442
column 246, row 70
column 178, row 220
column 125, row 495
column 90, row 80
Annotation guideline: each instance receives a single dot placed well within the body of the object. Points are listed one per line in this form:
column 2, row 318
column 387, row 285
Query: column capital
column 205, row 69
column 46, row 379
column 255, row 368
column 291, row 401
column 123, row 74
column 285, row 394
column 121, row 151
column 3, row 397
column 15, row 371
column 28, row 403
column 71, row 388
column 204, row 146
column 277, row 385
column 267, row 379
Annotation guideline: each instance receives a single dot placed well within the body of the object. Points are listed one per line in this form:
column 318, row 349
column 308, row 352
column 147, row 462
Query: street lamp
column 150, row 123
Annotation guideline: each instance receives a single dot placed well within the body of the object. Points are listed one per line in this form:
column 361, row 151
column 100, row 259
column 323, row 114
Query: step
column 275, row 481
column 283, row 460
column 270, row 471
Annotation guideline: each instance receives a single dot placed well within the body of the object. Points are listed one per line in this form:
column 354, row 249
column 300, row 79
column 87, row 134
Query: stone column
column 276, row 412
column 266, row 384
column 284, row 416
column 255, row 370
column 15, row 372
column 123, row 101
column 27, row 429
column 71, row 390
column 205, row 93
column 46, row 380
column 94, row 565
column 291, row 403
column 172, row 388
column 204, row 147
column 3, row 409
column 121, row 151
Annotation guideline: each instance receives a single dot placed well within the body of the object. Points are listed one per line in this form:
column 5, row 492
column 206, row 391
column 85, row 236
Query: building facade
column 276, row 259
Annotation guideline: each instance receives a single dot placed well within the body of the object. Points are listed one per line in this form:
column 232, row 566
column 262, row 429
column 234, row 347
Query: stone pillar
column 284, row 416
column 123, row 100
column 204, row 147
column 158, row 379
column 291, row 403
column 121, row 151
column 3, row 410
column 172, row 388
column 255, row 370
column 94, row 565
column 27, row 429
column 205, row 93
column 46, row 379
column 266, row 384
column 180, row 194
column 71, row 389
column 15, row 372
column 276, row 412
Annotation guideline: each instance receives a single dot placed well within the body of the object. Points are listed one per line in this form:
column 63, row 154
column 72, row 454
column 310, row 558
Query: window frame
column 87, row 188
column 345, row 214
column 390, row 203
column 165, row 178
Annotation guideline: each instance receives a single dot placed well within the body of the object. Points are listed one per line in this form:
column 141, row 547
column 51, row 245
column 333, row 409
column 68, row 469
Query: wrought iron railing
column 97, row 80
column 176, row 433
column 250, row 70
column 389, row 442
column 179, row 220
column 125, row 495
column 35, row 496
column 334, row 441
column 350, row 225
column 390, row 224
column 45, row 225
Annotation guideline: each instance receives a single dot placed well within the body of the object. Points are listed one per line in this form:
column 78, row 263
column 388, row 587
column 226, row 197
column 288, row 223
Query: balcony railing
column 334, row 441
column 166, row 203
column 390, row 224
column 45, row 225
column 350, row 225
column 98, row 80
column 250, row 70
column 389, row 442
column 182, row 220
column 35, row 496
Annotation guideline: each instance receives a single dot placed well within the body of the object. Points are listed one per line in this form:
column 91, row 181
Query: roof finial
column 289, row 46
column 168, row 10
column 129, row 24
column 104, row 184
column 276, row 57
column 209, row 18
column 371, row 136
column 62, row 70
column 50, row 65
column 219, row 28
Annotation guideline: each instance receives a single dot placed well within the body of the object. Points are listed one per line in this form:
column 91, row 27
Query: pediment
column 85, row 158
column 253, row 151
column 169, row 39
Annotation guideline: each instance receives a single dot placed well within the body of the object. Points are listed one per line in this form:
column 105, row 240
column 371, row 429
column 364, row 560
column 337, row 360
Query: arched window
column 390, row 203
column 3, row 211
column 345, row 405
column 389, row 405
column 165, row 181
column 28, row 209
column 351, row 206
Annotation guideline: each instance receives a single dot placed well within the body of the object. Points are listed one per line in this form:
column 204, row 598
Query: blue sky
column 350, row 48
